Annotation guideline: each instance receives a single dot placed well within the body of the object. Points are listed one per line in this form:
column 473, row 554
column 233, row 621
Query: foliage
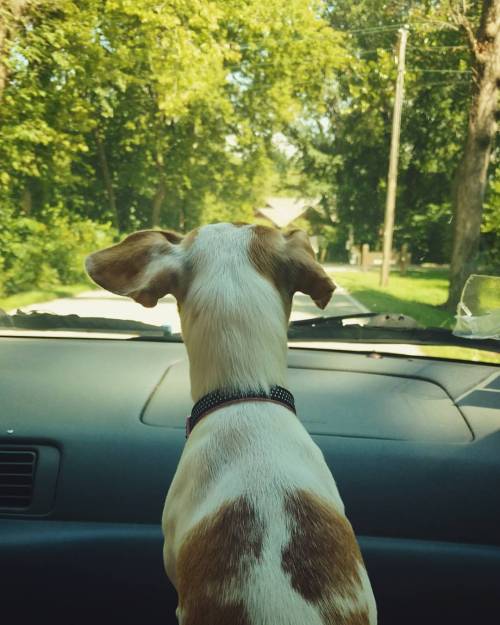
column 348, row 148
column 490, row 252
column 44, row 254
column 166, row 113
column 149, row 113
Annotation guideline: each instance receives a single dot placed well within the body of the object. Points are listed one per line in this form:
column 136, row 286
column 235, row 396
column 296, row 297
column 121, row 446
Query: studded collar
column 217, row 399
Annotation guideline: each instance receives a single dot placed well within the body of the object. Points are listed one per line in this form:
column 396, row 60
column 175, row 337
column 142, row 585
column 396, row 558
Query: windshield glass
column 369, row 125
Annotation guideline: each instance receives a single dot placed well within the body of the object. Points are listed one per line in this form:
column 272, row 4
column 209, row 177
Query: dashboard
column 91, row 431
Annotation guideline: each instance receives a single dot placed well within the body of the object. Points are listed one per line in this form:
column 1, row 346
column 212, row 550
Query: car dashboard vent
column 17, row 472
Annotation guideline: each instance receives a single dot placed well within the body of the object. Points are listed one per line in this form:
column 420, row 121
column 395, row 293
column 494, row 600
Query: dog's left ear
column 145, row 266
column 306, row 274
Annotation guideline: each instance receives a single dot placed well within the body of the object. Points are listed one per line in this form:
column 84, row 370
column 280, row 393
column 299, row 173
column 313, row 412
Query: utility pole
column 390, row 203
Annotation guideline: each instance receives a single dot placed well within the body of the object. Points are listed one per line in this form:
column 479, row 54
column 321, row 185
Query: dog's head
column 234, row 286
column 149, row 264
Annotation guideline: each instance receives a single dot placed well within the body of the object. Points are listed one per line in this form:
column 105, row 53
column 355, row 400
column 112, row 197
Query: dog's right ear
column 307, row 275
column 145, row 266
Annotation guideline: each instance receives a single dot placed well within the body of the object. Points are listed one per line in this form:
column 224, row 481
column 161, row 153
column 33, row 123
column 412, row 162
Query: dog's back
column 262, row 537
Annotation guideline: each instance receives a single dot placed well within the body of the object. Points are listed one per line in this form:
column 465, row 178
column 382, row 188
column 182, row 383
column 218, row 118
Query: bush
column 37, row 254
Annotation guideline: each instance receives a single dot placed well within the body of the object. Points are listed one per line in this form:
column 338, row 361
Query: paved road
column 99, row 303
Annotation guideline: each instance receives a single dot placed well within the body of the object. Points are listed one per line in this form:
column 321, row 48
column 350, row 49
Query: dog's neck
column 236, row 337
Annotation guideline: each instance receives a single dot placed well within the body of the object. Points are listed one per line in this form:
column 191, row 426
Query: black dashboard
column 96, row 427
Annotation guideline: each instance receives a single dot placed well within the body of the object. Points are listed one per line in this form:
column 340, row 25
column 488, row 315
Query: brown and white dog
column 255, row 529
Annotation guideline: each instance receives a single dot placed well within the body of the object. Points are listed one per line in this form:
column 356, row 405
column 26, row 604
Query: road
column 100, row 303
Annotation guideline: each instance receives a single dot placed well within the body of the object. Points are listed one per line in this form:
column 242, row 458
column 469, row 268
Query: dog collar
column 216, row 399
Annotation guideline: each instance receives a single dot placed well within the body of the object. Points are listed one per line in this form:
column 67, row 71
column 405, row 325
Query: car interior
column 91, row 431
column 346, row 156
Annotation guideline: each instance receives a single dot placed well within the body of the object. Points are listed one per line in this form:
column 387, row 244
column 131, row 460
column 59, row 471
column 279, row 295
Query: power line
column 446, row 82
column 373, row 29
column 439, row 71
column 425, row 23
column 354, row 54
column 426, row 48
column 439, row 47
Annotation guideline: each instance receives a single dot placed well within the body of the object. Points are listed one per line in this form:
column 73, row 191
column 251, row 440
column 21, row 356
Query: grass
column 453, row 352
column 418, row 294
column 32, row 297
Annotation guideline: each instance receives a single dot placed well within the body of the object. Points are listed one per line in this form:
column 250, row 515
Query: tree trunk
column 26, row 201
column 3, row 46
column 10, row 13
column 182, row 216
column 108, row 181
column 471, row 176
column 158, row 198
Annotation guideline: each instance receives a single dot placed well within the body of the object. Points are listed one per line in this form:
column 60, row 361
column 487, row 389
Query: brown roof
column 283, row 210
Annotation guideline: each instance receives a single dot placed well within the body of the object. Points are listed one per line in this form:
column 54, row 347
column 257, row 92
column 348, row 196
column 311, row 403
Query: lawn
column 32, row 297
column 418, row 294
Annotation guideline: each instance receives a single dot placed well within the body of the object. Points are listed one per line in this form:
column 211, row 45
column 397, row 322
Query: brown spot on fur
column 332, row 615
column 360, row 617
column 211, row 612
column 309, row 275
column 170, row 235
column 190, row 238
column 288, row 261
column 322, row 556
column 122, row 268
column 215, row 555
column 268, row 259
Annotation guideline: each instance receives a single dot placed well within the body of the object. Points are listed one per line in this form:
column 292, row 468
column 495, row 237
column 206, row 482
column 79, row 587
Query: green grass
column 32, row 297
column 460, row 353
column 418, row 294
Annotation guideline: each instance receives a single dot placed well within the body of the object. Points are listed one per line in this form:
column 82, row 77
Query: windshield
column 369, row 125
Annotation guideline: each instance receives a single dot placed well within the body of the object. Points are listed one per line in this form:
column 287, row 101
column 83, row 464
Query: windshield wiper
column 363, row 328
column 48, row 321
column 380, row 328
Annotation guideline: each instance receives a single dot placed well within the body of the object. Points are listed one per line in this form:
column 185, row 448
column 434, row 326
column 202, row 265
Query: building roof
column 283, row 210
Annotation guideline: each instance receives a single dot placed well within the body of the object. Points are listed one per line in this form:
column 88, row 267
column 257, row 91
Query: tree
column 10, row 14
column 471, row 175
column 149, row 113
column 346, row 150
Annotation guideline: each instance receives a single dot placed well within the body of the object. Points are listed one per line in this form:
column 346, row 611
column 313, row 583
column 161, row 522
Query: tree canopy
column 139, row 114
column 349, row 146
column 148, row 113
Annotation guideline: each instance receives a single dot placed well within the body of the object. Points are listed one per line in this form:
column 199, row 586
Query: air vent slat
column 14, row 461
column 15, row 488
column 15, row 502
column 17, row 495
column 16, row 456
column 15, row 464
column 17, row 469
column 12, row 478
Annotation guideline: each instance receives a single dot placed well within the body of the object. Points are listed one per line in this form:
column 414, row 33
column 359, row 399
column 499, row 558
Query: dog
column 254, row 526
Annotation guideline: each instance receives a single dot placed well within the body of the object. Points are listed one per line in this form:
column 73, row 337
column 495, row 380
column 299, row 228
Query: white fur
column 234, row 327
column 232, row 320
